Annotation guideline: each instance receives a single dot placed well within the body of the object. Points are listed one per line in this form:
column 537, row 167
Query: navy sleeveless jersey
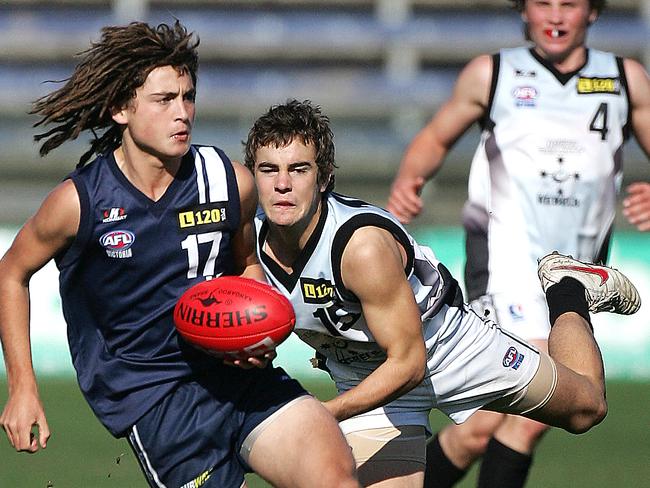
column 131, row 260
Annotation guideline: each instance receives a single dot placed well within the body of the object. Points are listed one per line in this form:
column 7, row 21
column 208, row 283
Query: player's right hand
column 404, row 201
column 22, row 412
column 636, row 205
column 260, row 361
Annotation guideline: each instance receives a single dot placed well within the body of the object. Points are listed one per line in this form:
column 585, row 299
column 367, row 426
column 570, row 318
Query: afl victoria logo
column 117, row 243
column 525, row 96
column 117, row 239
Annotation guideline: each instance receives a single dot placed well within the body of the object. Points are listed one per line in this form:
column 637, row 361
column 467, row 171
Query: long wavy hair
column 106, row 78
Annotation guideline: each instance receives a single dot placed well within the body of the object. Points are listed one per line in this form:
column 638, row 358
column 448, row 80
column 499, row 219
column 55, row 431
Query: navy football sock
column 567, row 296
column 440, row 471
column 503, row 467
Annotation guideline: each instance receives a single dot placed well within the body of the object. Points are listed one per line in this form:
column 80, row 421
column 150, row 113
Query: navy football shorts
column 192, row 438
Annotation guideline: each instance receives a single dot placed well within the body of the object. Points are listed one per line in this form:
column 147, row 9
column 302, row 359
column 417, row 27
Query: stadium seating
column 380, row 68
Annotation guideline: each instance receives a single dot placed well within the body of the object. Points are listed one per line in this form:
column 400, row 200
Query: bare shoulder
column 478, row 70
column 59, row 214
column 246, row 186
column 475, row 79
column 637, row 80
column 49, row 231
column 634, row 69
column 244, row 177
column 371, row 258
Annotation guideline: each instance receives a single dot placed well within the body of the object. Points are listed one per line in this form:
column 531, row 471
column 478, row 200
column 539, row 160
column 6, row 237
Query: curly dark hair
column 283, row 123
column 598, row 5
column 106, row 78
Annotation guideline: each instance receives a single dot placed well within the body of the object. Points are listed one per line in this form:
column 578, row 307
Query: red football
column 233, row 317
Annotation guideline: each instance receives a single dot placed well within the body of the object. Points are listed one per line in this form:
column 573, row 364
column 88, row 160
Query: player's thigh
column 300, row 445
column 390, row 457
column 476, row 364
column 188, row 437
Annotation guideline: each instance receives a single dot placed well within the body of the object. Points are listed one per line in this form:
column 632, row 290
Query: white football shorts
column 525, row 315
column 471, row 362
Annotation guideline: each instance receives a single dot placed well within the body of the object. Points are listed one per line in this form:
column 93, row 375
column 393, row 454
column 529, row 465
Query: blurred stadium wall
column 379, row 68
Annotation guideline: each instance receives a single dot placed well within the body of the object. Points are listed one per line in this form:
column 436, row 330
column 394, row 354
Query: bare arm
column 48, row 232
column 244, row 241
column 424, row 156
column 372, row 269
column 243, row 244
column 636, row 206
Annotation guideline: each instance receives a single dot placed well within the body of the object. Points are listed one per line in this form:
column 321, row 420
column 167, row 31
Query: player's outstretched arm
column 372, row 268
column 636, row 205
column 425, row 153
column 48, row 232
column 246, row 261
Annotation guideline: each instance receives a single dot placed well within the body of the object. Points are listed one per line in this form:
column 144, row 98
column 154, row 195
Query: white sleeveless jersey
column 469, row 362
column 547, row 170
column 328, row 316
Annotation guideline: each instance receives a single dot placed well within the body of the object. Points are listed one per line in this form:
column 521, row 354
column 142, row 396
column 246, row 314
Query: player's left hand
column 252, row 361
column 636, row 206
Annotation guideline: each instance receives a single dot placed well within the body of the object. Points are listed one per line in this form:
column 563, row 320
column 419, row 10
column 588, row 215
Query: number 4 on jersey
column 599, row 122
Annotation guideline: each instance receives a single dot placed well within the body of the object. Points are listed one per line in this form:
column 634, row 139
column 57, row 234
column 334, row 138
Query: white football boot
column 606, row 289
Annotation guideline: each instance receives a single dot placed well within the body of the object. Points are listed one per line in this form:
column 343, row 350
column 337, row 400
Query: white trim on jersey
column 136, row 442
column 200, row 184
column 216, row 174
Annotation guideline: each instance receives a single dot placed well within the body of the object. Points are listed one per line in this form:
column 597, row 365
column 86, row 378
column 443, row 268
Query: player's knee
column 342, row 474
column 473, row 443
column 524, row 428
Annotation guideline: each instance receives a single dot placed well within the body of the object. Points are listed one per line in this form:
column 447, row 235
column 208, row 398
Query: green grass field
column 81, row 454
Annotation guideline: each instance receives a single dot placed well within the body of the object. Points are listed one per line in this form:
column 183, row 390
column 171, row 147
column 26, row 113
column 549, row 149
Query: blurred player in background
column 388, row 321
column 121, row 233
column 545, row 177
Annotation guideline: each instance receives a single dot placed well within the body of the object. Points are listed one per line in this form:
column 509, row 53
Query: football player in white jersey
column 545, row 177
column 388, row 320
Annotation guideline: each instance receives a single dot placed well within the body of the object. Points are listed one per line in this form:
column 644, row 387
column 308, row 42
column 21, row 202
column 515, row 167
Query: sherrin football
column 234, row 317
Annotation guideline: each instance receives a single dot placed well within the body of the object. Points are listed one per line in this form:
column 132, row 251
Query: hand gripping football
column 234, row 317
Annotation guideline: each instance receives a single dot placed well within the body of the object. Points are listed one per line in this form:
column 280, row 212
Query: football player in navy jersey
column 121, row 233
column 387, row 320
column 545, row 177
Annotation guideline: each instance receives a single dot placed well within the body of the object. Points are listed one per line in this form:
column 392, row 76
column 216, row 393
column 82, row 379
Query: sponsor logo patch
column 207, row 217
column 512, row 358
column 587, row 86
column 117, row 243
column 525, row 73
column 316, row 291
column 114, row 214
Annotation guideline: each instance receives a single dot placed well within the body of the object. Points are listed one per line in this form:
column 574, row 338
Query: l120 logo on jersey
column 587, row 86
column 317, row 291
column 117, row 243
